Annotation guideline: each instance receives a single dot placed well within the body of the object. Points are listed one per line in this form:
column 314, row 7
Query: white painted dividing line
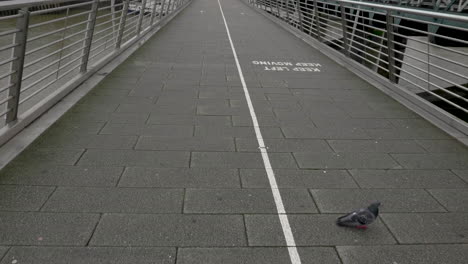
column 288, row 235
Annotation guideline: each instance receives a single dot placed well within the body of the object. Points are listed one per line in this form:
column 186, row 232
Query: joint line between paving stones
column 289, row 237
column 48, row 198
column 5, row 254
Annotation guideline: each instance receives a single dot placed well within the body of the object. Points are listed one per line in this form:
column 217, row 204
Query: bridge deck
column 160, row 163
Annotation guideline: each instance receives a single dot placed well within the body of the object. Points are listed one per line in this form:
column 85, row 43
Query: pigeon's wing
column 350, row 219
column 365, row 217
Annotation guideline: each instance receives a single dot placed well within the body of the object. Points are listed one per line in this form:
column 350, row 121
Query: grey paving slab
column 284, row 145
column 414, row 254
column 443, row 146
column 222, row 201
column 351, row 82
column 429, row 228
column 324, row 133
column 91, row 107
column 432, row 161
column 89, row 255
column 46, row 228
column 125, row 118
column 462, row 174
column 257, row 178
column 180, row 178
column 176, row 98
column 77, row 141
column 170, row 230
column 148, row 130
column 239, row 160
column 407, row 179
column 61, row 127
column 345, row 160
column 189, row 120
column 254, row 255
column 23, row 198
column 223, row 111
column 135, row 158
column 269, row 121
column 393, row 200
column 97, row 99
column 3, row 250
column 312, row 230
column 351, row 123
column 376, row 146
column 111, row 92
column 166, row 109
column 227, row 95
column 137, row 108
column 369, row 112
column 291, row 105
column 59, row 175
column 410, row 123
column 115, row 200
column 407, row 133
column 149, row 92
column 455, row 200
column 241, row 132
column 49, row 156
column 191, row 143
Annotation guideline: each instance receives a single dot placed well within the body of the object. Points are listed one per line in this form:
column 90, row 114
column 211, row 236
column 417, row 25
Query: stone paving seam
column 354, row 179
column 335, row 248
column 48, row 198
column 79, row 158
column 94, row 229
column 184, row 195
column 2, row 256
column 463, row 179
column 437, row 200
column 314, row 201
column 117, row 183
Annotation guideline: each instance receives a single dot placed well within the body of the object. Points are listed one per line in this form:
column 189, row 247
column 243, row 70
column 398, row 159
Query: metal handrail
column 18, row 4
column 408, row 10
column 49, row 58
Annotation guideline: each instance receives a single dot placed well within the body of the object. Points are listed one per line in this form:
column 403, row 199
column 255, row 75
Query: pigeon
column 360, row 218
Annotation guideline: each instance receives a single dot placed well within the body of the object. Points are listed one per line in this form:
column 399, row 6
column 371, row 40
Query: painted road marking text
column 289, row 66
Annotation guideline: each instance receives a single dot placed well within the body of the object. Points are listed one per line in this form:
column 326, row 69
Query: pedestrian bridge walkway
column 160, row 163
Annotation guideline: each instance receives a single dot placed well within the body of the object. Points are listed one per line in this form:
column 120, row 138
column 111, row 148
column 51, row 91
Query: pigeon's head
column 374, row 208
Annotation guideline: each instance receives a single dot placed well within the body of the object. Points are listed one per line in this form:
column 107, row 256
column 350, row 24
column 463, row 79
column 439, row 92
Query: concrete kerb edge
column 19, row 142
column 441, row 120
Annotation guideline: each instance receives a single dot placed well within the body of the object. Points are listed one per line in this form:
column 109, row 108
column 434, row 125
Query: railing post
column 287, row 11
column 172, row 6
column 299, row 15
column 391, row 47
column 345, row 29
column 153, row 13
column 22, row 24
column 317, row 20
column 169, row 7
column 141, row 15
column 123, row 19
column 161, row 10
column 277, row 8
column 89, row 36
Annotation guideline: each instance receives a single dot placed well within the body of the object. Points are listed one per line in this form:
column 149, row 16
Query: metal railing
column 420, row 52
column 45, row 51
